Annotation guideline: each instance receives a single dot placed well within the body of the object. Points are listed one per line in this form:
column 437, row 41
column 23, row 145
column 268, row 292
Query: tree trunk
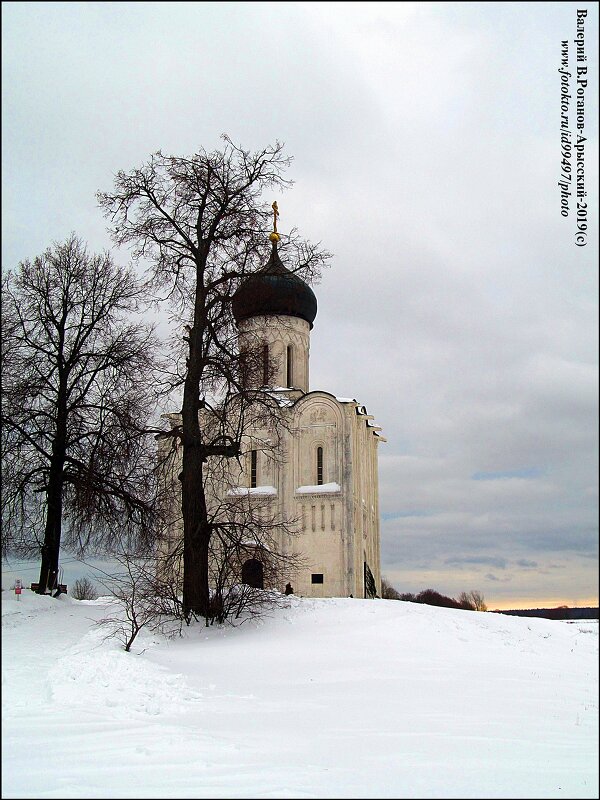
column 196, row 532
column 53, row 529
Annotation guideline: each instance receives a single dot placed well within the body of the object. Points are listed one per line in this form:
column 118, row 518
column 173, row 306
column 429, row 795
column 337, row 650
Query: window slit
column 290, row 371
column 319, row 466
column 265, row 364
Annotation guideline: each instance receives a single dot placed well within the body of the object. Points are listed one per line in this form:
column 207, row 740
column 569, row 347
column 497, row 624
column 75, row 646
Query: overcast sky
column 426, row 144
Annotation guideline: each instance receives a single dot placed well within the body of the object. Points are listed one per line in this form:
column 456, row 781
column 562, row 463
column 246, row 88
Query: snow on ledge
column 346, row 400
column 327, row 488
column 281, row 396
column 242, row 491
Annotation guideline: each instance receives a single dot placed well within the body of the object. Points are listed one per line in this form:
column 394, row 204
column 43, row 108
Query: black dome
column 274, row 290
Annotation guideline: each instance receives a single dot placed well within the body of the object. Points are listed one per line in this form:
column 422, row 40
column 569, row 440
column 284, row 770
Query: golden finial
column 274, row 236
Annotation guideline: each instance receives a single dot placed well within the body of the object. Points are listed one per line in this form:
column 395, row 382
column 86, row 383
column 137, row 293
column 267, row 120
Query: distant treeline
column 471, row 601
column 562, row 612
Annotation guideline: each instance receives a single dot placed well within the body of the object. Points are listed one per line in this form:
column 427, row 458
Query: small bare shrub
column 143, row 601
column 84, row 589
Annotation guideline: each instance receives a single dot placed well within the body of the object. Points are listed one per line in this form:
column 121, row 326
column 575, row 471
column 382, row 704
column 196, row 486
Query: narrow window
column 319, row 466
column 253, row 463
column 265, row 364
column 316, row 577
column 290, row 369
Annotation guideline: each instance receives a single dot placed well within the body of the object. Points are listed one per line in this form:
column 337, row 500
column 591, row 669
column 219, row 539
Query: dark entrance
column 252, row 573
column 370, row 587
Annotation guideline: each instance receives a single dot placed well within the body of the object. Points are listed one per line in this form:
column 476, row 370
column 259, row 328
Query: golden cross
column 275, row 215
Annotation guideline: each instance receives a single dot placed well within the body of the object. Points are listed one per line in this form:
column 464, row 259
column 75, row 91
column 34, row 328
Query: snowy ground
column 338, row 698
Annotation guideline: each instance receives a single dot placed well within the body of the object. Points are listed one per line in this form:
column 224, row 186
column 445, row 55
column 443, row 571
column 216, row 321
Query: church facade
column 323, row 479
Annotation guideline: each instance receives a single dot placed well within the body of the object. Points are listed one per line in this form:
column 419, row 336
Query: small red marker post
column 18, row 588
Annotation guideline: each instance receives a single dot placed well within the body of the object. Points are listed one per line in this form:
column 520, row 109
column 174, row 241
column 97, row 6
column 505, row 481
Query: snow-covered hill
column 325, row 698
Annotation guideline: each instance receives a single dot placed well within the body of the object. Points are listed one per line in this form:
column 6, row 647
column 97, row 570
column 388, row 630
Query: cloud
column 403, row 514
column 495, row 579
column 524, row 472
column 499, row 563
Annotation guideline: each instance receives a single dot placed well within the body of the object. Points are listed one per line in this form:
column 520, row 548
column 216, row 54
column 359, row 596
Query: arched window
column 265, row 364
column 253, row 468
column 290, row 366
column 319, row 466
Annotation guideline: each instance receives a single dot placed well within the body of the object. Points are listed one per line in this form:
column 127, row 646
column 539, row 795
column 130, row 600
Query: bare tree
column 201, row 223
column 464, row 600
column 77, row 396
column 477, row 600
column 388, row 592
column 472, row 601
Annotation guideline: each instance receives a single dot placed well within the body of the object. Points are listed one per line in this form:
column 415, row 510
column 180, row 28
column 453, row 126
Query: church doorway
column 252, row 573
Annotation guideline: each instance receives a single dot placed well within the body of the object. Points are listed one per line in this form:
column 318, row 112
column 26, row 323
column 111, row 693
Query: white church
column 327, row 478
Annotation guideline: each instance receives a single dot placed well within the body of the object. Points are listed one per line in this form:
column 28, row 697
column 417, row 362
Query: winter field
column 324, row 698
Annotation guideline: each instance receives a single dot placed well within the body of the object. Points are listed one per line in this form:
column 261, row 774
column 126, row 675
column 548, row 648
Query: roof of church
column 274, row 290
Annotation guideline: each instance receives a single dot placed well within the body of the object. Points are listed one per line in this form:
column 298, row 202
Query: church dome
column 274, row 290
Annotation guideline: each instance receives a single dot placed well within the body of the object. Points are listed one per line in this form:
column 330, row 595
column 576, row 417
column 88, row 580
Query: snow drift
column 324, row 698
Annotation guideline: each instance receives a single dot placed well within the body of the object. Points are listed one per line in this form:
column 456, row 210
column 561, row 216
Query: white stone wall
column 337, row 524
column 279, row 333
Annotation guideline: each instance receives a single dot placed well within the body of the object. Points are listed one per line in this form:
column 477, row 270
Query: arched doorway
column 252, row 573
